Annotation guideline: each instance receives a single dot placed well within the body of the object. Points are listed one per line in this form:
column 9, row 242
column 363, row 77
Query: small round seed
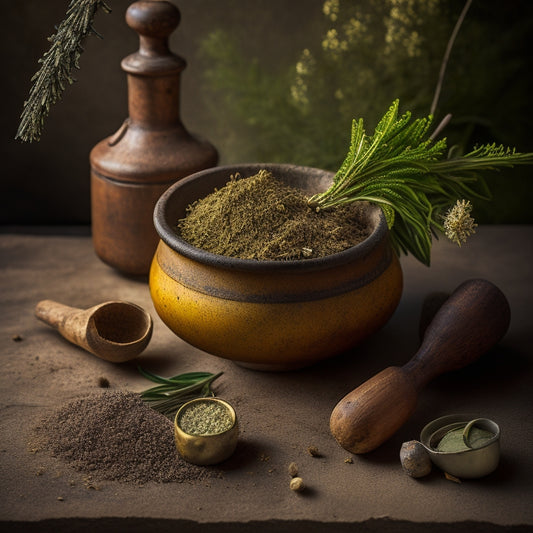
column 293, row 469
column 313, row 451
column 297, row 484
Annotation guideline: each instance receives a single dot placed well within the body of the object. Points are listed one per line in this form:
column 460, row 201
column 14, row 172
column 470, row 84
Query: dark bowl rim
column 179, row 245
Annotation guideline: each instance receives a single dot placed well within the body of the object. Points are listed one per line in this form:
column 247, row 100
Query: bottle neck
column 154, row 89
column 154, row 101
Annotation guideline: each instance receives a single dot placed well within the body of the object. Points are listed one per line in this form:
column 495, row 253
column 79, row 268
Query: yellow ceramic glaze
column 271, row 314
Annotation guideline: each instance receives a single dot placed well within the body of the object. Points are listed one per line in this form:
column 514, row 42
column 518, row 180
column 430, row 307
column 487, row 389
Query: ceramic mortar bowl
column 206, row 449
column 270, row 315
column 473, row 463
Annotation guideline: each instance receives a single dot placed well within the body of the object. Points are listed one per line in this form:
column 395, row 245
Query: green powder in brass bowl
column 454, row 440
column 205, row 418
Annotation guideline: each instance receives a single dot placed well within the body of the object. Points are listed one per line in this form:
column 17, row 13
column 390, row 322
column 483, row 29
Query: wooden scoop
column 473, row 318
column 115, row 331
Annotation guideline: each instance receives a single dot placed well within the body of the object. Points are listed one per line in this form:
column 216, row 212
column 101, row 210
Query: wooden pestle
column 472, row 319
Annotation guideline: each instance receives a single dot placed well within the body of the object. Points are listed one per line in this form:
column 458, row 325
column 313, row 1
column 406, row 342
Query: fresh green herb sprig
column 411, row 177
column 173, row 392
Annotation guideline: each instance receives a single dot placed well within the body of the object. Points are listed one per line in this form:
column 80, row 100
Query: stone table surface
column 281, row 414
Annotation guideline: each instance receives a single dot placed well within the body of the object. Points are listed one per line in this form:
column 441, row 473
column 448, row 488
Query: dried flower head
column 458, row 224
column 331, row 9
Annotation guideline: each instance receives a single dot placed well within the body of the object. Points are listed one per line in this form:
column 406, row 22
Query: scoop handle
column 474, row 318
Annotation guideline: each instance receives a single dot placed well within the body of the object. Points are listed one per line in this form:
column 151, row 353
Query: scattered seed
column 293, row 469
column 89, row 484
column 348, row 460
column 297, row 484
column 103, row 382
column 451, row 478
column 313, row 451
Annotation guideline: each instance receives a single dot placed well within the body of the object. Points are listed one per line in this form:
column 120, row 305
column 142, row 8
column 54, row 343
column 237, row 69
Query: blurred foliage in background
column 370, row 52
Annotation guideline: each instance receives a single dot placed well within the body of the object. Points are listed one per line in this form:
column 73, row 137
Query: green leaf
column 411, row 177
column 173, row 392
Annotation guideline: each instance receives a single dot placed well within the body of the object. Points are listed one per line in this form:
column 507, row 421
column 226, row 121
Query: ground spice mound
column 259, row 217
column 113, row 435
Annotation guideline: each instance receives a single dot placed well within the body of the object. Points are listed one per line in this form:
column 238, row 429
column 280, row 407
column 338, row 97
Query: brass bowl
column 272, row 315
column 473, row 463
column 206, row 449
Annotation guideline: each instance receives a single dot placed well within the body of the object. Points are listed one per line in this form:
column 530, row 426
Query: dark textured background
column 48, row 182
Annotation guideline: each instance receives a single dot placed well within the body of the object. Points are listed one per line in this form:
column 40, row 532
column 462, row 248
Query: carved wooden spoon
column 116, row 331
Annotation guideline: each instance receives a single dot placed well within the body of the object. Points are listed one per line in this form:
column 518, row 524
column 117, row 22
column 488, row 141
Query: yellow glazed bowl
column 272, row 315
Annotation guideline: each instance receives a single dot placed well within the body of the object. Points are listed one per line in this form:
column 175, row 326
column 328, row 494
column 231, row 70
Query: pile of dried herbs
column 259, row 217
column 412, row 177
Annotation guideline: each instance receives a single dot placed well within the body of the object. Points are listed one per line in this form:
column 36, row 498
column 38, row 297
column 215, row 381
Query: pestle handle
column 474, row 318
column 471, row 320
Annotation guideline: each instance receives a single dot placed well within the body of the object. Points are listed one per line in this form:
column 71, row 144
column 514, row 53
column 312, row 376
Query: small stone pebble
column 415, row 459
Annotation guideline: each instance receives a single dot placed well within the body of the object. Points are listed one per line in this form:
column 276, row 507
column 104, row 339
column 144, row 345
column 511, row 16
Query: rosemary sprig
column 51, row 79
column 410, row 177
column 173, row 392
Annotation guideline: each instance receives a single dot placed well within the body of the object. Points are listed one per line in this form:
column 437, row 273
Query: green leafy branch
column 50, row 81
column 411, row 178
column 173, row 392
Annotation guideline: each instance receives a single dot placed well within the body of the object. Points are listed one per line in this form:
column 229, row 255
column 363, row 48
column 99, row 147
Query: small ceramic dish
column 211, row 448
column 473, row 462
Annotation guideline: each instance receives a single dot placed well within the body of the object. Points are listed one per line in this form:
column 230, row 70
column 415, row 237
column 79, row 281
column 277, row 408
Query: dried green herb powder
column 453, row 441
column 205, row 418
column 259, row 217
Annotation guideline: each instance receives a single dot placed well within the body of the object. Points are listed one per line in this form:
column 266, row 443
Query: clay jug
column 150, row 151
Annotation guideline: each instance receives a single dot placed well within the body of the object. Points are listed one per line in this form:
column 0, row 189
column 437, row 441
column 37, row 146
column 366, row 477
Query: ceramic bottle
column 149, row 152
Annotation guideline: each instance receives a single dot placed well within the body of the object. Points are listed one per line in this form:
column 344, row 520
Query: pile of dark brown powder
column 113, row 435
column 259, row 217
